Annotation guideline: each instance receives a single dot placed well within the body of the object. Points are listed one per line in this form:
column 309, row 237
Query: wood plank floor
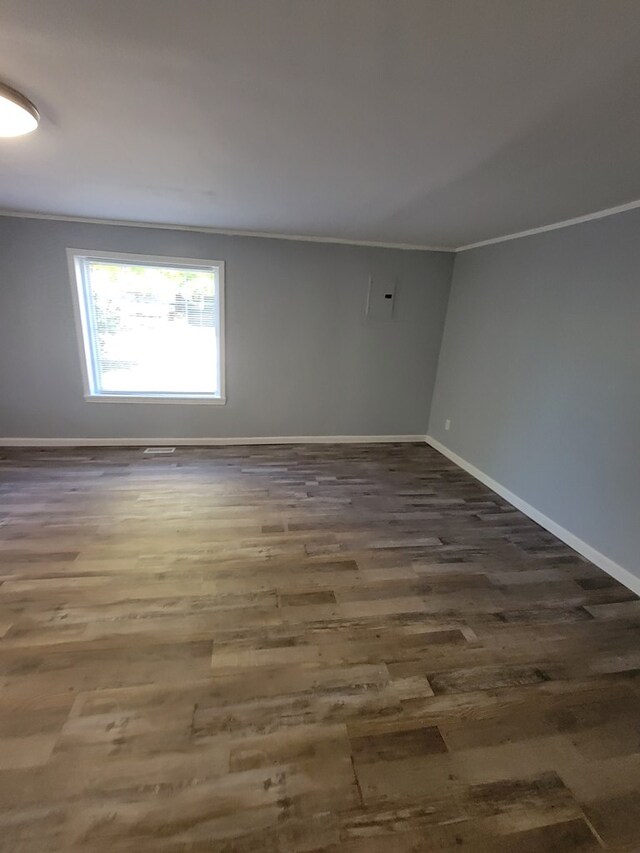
column 353, row 649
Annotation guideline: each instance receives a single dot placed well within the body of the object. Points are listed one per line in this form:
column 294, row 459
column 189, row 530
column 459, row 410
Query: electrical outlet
column 447, row 424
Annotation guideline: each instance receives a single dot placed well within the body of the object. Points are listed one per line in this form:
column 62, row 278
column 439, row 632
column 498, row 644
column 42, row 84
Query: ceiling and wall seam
column 307, row 238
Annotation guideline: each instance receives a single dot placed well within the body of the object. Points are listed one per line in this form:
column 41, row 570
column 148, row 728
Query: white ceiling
column 428, row 122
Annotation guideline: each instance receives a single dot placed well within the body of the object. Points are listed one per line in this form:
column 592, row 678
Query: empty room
column 319, row 426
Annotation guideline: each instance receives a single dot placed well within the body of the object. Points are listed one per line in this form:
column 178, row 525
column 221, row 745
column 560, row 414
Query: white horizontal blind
column 150, row 329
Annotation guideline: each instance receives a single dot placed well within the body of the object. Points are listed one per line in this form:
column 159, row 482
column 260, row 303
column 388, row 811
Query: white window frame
column 75, row 258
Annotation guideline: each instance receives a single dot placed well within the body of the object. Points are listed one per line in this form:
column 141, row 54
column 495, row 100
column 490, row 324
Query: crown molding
column 227, row 232
column 340, row 241
column 566, row 223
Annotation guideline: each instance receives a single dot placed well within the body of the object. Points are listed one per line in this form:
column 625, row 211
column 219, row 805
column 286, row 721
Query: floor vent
column 159, row 451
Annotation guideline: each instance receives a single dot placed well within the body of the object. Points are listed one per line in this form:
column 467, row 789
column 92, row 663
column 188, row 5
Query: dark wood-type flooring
column 353, row 649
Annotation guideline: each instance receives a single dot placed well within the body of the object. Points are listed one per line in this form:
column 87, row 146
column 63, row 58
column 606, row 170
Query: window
column 151, row 329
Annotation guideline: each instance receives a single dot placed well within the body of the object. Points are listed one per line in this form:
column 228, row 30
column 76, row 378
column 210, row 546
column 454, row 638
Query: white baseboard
column 624, row 576
column 209, row 442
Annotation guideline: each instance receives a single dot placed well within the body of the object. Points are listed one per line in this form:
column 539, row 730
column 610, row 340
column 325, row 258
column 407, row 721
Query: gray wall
column 540, row 375
column 301, row 360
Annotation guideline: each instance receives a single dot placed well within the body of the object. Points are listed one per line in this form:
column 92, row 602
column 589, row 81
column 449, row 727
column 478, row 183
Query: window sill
column 181, row 401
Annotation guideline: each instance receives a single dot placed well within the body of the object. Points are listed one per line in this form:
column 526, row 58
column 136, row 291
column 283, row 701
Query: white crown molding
column 305, row 238
column 566, row 223
column 209, row 442
column 226, row 232
column 340, row 241
column 626, row 577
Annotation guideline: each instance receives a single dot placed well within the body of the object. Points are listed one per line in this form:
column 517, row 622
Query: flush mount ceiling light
column 17, row 113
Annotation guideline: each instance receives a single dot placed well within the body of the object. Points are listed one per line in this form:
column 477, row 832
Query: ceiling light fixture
column 17, row 113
